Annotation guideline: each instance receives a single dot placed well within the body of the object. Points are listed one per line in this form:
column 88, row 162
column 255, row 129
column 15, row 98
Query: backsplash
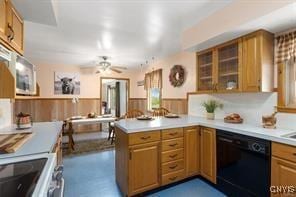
column 251, row 107
column 5, row 113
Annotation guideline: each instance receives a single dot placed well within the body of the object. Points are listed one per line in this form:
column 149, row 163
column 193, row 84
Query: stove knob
column 53, row 191
column 57, row 176
column 59, row 168
column 256, row 147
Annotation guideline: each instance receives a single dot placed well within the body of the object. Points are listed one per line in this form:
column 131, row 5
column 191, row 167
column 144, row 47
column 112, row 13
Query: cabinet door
column 208, row 154
column 144, row 168
column 7, row 85
column 229, row 70
column 251, row 63
column 283, row 173
column 192, row 151
column 3, row 20
column 205, row 71
column 18, row 31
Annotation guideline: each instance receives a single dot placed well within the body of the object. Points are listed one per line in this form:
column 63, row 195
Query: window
column 291, row 83
column 154, row 96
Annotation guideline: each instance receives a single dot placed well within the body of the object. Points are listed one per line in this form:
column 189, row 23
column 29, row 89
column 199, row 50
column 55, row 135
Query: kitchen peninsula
column 151, row 154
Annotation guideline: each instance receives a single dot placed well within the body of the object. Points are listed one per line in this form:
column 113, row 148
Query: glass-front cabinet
column 205, row 71
column 219, row 69
column 229, row 67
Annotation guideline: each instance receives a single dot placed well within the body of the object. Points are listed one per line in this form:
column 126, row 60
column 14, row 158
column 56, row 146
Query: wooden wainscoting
column 138, row 103
column 58, row 109
column 175, row 105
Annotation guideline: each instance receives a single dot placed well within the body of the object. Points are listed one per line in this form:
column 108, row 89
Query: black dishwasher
column 243, row 165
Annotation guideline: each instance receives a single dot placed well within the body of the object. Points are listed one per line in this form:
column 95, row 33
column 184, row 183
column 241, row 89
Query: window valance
column 286, row 47
column 153, row 79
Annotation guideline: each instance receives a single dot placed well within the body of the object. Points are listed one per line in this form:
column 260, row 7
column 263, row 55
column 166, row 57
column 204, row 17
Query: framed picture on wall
column 66, row 83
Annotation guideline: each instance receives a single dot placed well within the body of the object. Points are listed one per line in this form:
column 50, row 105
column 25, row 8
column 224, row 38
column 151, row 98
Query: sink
column 291, row 135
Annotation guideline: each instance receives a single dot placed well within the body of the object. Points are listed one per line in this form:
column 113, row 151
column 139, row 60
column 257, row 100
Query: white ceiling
column 130, row 31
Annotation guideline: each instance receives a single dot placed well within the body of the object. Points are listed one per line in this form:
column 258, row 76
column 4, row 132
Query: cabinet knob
column 172, row 134
column 172, row 145
column 145, row 138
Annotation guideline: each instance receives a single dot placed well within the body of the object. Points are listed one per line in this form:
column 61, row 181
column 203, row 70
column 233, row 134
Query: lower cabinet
column 208, row 153
column 143, row 167
column 192, row 151
column 283, row 170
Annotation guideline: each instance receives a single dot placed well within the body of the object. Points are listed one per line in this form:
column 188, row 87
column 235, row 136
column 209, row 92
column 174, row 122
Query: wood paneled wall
column 178, row 106
column 45, row 110
column 138, row 103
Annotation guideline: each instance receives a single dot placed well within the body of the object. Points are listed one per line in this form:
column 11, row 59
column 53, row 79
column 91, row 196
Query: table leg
column 71, row 140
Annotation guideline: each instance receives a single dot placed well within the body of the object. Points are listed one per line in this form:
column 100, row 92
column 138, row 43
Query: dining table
column 71, row 122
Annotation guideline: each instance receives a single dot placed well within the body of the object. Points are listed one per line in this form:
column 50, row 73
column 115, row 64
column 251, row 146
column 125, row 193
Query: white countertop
column 44, row 137
column 46, row 175
column 134, row 125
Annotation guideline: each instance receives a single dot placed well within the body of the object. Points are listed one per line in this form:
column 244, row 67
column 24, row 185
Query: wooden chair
column 130, row 114
column 160, row 111
column 68, row 132
column 134, row 113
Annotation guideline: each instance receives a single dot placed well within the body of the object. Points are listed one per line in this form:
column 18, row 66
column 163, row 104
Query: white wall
column 5, row 113
column 251, row 106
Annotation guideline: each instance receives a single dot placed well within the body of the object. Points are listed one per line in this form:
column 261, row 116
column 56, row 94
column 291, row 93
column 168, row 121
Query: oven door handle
column 225, row 139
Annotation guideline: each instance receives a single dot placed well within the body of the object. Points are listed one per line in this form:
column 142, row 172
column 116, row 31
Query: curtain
column 153, row 79
column 286, row 47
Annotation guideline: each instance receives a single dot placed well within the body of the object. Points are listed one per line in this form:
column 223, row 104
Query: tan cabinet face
column 251, row 63
column 205, row 72
column 192, row 151
column 283, row 173
column 229, row 71
column 18, row 31
column 208, row 154
column 3, row 20
column 143, row 168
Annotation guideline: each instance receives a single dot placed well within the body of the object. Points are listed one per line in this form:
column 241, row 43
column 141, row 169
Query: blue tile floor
column 93, row 175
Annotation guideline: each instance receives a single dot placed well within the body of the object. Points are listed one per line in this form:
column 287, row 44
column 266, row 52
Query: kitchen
column 207, row 108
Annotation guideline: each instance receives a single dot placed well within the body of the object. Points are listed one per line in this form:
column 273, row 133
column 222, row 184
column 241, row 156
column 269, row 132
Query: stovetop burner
column 20, row 179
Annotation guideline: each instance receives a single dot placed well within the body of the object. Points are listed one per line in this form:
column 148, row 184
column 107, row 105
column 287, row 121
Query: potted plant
column 211, row 106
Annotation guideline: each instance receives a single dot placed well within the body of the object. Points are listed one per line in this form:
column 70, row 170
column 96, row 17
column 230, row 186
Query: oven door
column 241, row 171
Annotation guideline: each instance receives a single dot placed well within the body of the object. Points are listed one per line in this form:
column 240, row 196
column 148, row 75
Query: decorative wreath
column 177, row 75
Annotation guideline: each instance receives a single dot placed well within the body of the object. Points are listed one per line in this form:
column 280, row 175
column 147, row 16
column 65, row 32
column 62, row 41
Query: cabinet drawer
column 172, row 133
column 144, row 137
column 172, row 155
column 172, row 177
column 284, row 151
column 172, row 144
column 172, row 166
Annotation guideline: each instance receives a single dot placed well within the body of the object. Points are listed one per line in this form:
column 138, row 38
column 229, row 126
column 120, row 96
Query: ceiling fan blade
column 115, row 70
column 120, row 67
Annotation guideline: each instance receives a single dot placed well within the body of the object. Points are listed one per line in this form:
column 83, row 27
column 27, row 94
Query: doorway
column 114, row 96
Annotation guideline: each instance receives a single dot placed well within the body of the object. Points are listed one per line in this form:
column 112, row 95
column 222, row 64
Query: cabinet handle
column 11, row 36
column 145, row 138
column 173, row 178
column 172, row 134
column 173, row 167
column 172, row 145
column 294, row 154
column 9, row 28
column 173, row 156
column 216, row 87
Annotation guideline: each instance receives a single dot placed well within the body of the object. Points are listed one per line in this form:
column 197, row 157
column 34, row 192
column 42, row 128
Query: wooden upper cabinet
column 208, row 154
column 205, row 71
column 192, row 151
column 3, row 20
column 229, row 67
column 143, row 168
column 15, row 25
column 241, row 65
column 258, row 62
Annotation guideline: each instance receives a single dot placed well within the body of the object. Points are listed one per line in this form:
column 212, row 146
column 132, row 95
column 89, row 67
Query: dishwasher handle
column 225, row 139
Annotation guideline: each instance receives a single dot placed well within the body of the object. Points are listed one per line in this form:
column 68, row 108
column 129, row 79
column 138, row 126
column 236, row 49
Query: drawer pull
column 145, row 138
column 172, row 134
column 173, row 156
column 172, row 145
column 173, row 167
column 173, row 178
column 294, row 154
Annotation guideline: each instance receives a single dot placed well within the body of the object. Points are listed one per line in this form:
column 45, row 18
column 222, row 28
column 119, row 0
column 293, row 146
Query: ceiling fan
column 105, row 65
